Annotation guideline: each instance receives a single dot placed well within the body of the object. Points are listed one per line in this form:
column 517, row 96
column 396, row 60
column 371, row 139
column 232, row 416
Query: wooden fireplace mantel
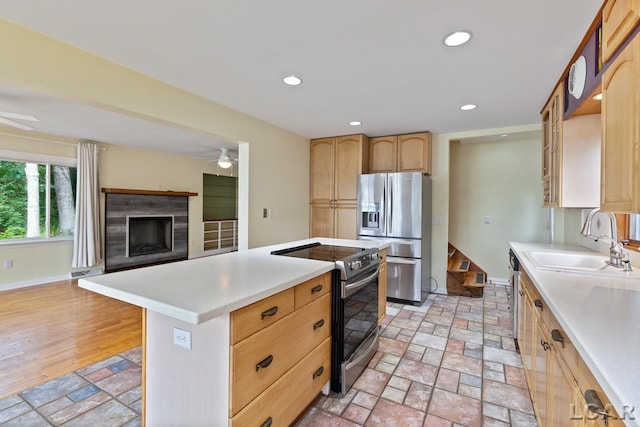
column 148, row 192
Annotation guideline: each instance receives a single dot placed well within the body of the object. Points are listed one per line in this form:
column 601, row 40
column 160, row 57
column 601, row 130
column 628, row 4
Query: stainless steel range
column 355, row 330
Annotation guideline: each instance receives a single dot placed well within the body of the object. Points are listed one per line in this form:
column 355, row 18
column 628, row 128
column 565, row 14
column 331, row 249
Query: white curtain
column 87, row 246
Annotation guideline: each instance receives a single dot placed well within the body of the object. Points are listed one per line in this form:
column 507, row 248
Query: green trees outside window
column 36, row 200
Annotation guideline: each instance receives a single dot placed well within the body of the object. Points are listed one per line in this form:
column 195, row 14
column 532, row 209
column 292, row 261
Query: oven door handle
column 352, row 287
column 363, row 353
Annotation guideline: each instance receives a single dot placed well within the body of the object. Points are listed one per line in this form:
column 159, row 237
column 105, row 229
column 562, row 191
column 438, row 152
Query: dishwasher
column 514, row 270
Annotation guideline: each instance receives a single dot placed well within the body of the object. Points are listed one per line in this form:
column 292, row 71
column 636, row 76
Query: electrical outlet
column 436, row 220
column 266, row 213
column 182, row 338
column 487, row 220
column 8, row 263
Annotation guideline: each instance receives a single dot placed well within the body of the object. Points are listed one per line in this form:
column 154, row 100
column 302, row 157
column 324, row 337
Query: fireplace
column 145, row 228
column 149, row 235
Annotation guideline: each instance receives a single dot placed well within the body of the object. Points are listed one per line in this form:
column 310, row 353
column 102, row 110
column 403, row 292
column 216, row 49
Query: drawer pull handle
column 316, row 289
column 538, row 304
column 319, row 372
column 318, row 324
column 270, row 312
column 521, row 293
column 595, row 404
column 557, row 336
column 264, row 363
column 267, row 423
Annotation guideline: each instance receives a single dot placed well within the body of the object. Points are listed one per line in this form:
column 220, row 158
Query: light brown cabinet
column 619, row 18
column 621, row 132
column 335, row 166
column 570, row 156
column 269, row 358
column 557, row 376
column 382, row 286
column 400, row 153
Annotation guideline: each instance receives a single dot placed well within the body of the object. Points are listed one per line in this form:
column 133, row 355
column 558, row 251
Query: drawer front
column 252, row 318
column 312, row 289
column 285, row 399
column 258, row 361
column 564, row 346
column 586, row 381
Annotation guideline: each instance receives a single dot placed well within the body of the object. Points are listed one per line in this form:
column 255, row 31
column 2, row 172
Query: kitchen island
column 599, row 311
column 188, row 342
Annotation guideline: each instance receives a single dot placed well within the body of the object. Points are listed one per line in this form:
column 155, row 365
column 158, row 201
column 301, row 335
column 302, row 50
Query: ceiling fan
column 225, row 160
column 9, row 119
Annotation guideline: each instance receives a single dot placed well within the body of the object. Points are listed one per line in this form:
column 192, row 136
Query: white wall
column 501, row 180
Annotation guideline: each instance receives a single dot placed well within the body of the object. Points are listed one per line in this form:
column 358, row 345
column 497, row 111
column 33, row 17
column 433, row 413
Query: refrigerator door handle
column 390, row 204
column 395, row 260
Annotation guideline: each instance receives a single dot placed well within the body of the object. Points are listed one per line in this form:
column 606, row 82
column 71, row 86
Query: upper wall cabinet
column 400, row 153
column 620, row 131
column 570, row 156
column 619, row 19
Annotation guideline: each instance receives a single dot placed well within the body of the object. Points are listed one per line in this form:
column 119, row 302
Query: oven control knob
column 355, row 265
column 375, row 256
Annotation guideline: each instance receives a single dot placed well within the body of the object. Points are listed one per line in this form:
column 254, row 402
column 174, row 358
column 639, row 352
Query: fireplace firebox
column 149, row 235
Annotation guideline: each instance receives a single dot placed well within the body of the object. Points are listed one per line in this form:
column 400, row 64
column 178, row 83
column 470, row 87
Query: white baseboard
column 34, row 282
column 498, row 281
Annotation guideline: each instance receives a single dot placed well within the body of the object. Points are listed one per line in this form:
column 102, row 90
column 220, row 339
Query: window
column 37, row 200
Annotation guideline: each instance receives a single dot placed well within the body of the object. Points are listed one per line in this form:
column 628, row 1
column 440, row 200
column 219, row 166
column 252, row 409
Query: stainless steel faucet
column 616, row 251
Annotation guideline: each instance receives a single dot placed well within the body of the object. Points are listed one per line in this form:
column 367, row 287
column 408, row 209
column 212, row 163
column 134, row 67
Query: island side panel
column 186, row 387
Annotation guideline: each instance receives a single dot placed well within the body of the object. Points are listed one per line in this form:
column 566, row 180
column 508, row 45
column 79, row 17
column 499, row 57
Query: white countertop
column 601, row 315
column 201, row 289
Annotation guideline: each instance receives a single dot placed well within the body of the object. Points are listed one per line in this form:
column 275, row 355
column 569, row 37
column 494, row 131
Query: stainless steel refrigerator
column 396, row 207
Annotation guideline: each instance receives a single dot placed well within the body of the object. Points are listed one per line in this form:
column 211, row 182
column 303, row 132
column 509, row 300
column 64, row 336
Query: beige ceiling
column 378, row 61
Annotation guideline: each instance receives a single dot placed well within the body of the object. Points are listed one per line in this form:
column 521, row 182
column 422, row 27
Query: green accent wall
column 220, row 197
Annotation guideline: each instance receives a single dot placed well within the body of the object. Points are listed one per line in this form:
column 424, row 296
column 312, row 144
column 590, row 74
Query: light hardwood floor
column 50, row 330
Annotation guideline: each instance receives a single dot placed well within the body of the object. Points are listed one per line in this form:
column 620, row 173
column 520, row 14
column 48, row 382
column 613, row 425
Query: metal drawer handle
column 264, row 363
column 319, row 372
column 316, row 289
column 521, row 293
column 557, row 336
column 538, row 304
column 595, row 404
column 267, row 423
column 270, row 312
column 318, row 324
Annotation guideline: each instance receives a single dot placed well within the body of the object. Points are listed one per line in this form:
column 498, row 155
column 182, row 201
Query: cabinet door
column 619, row 18
column 540, row 366
column 322, row 170
column 382, row 292
column 383, row 154
column 562, row 402
column 349, row 160
column 414, row 153
column 345, row 217
column 321, row 220
column 620, row 102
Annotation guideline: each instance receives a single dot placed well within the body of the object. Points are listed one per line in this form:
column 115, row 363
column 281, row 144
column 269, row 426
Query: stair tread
column 474, row 279
column 458, row 265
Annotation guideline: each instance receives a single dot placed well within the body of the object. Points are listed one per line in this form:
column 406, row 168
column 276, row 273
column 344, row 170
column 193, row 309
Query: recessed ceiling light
column 292, row 80
column 468, row 107
column 355, row 123
column 457, row 38
column 504, row 135
column 598, row 96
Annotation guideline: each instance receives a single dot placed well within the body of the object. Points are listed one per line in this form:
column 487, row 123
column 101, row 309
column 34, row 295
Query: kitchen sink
column 592, row 263
column 576, row 261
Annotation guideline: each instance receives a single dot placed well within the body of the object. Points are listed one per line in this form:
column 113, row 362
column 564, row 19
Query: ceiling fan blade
column 14, row 124
column 18, row 116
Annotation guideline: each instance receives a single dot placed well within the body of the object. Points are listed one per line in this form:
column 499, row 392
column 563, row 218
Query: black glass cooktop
column 320, row 252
